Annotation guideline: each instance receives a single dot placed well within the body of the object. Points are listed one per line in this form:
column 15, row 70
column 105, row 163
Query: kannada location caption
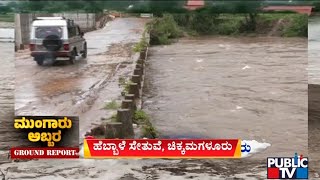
column 157, row 148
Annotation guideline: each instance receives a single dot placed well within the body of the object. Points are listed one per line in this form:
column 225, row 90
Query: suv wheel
column 84, row 53
column 39, row 60
column 73, row 57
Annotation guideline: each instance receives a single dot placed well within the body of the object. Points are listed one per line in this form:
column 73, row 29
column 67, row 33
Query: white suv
column 53, row 37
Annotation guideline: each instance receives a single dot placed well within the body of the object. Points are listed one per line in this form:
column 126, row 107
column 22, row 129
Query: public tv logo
column 288, row 167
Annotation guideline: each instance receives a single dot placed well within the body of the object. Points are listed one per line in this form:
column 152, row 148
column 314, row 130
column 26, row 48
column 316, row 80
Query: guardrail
column 123, row 127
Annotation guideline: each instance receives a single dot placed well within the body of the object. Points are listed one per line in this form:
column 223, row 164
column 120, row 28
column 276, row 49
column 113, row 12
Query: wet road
column 314, row 95
column 6, row 87
column 80, row 89
column 135, row 169
column 247, row 88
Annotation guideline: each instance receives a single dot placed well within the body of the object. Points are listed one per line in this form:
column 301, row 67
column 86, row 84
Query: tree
column 5, row 9
column 249, row 8
column 13, row 5
column 160, row 7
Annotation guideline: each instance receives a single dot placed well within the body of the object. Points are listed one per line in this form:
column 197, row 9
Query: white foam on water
column 226, row 46
column 199, row 60
column 246, row 67
column 255, row 146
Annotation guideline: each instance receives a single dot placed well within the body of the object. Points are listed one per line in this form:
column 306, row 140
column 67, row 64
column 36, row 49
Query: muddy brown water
column 6, row 89
column 247, row 88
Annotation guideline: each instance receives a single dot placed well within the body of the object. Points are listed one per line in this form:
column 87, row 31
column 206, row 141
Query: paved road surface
column 6, row 88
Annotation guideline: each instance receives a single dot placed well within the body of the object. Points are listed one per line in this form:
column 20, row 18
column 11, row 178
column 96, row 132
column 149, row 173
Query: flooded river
column 6, row 87
column 314, row 94
column 247, row 88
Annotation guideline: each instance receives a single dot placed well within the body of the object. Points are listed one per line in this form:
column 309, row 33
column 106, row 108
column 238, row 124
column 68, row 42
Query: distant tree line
column 66, row 6
column 157, row 7
column 5, row 9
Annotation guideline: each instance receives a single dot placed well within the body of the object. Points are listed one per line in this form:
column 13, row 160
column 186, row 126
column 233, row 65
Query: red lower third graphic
column 44, row 153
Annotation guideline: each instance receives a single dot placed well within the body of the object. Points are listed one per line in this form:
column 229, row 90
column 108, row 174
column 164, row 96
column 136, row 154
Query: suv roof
column 50, row 18
column 52, row 21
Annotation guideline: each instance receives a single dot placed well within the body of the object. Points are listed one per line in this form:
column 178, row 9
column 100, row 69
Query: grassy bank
column 6, row 17
column 285, row 25
column 170, row 26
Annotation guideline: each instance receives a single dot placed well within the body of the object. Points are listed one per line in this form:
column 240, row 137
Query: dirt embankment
column 282, row 25
column 272, row 29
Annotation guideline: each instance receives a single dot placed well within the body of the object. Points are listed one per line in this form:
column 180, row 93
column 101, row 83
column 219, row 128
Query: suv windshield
column 43, row 32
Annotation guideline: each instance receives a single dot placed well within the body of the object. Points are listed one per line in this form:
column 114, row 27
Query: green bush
column 142, row 45
column 113, row 118
column 140, row 117
column 203, row 23
column 200, row 22
column 122, row 81
column 149, row 131
column 182, row 20
column 229, row 27
column 111, row 105
column 5, row 9
column 163, row 30
column 125, row 84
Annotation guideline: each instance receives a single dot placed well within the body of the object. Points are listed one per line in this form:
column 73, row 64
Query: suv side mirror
column 82, row 34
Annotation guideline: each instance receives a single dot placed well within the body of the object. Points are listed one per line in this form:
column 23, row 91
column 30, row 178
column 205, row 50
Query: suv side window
column 80, row 32
column 72, row 32
column 77, row 31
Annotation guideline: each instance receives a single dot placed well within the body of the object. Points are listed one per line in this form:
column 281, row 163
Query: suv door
column 75, row 38
column 79, row 39
column 82, row 40
column 72, row 37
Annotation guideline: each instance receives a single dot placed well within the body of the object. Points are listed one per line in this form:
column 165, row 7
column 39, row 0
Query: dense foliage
column 158, row 7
